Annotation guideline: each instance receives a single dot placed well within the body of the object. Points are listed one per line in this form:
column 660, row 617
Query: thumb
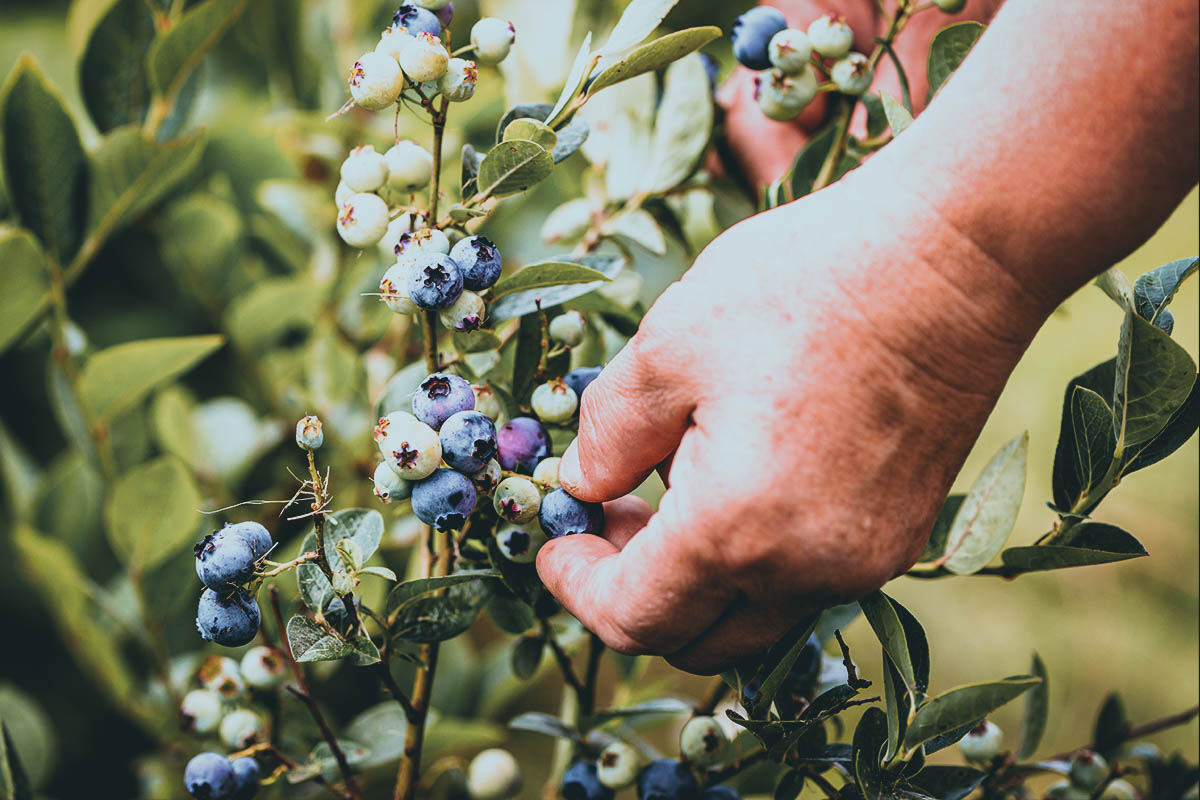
column 631, row 417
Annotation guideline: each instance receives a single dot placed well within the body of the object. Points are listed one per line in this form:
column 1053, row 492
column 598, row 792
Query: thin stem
column 282, row 568
column 715, row 694
column 587, row 703
column 564, row 662
column 1146, row 729
column 385, row 677
column 721, row 774
column 320, row 500
column 301, row 691
column 429, row 331
column 291, row 764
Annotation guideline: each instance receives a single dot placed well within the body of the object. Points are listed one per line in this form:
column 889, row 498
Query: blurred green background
column 1130, row 627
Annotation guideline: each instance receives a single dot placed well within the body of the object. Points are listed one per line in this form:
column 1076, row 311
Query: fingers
column 744, row 630
column 623, row 518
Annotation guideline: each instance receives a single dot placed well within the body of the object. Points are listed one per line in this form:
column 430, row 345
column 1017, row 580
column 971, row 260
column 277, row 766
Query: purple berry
column 417, row 20
column 665, row 779
column 521, row 443
column 752, row 33
column 224, row 560
column 479, row 261
column 445, row 14
column 580, row 378
column 580, row 782
column 229, row 621
column 468, row 441
column 441, row 396
column 434, row 281
column 444, row 500
column 248, row 775
column 563, row 515
column 209, row 776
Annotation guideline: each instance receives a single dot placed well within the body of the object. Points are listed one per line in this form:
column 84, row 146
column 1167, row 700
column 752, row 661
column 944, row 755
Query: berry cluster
column 226, row 561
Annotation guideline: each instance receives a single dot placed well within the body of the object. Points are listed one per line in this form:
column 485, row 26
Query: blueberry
column 258, row 536
column 720, row 793
column 520, row 543
column 1088, row 769
column 444, row 500
column 521, row 443
column 230, row 621
column 563, row 515
column 750, row 693
column 580, row 378
column 441, row 396
column 665, row 779
column 417, row 20
column 582, row 783
column 479, row 260
column 224, row 560
column 468, row 441
column 445, row 14
column 247, row 772
column 807, row 668
column 617, row 767
column 435, row 281
column 209, row 776
column 517, row 499
column 752, row 33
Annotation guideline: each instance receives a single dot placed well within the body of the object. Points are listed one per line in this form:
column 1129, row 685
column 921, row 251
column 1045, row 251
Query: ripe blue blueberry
column 802, row 678
column 752, row 33
column 417, row 20
column 720, row 793
column 479, row 260
column 441, row 396
column 247, row 772
column 521, row 443
column 444, row 500
column 258, row 536
column 229, row 621
column 468, row 441
column 580, row 782
column 435, row 281
column 580, row 378
column 665, row 779
column 209, row 776
column 224, row 560
column 563, row 515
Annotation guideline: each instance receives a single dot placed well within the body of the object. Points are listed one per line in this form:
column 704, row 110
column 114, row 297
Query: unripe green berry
column 309, row 433
column 200, row 711
column 493, row 775
column 362, row 220
column 388, row 485
column 830, row 36
column 425, row 58
column 1064, row 790
column 263, row 667
column 517, row 499
column 492, row 39
column 410, row 166
column 568, row 328
column 221, row 675
column 790, row 51
column 982, row 743
column 364, row 170
column 241, row 728
column 375, row 81
column 546, row 472
column 1088, row 769
column 554, row 401
column 487, row 479
column 950, row 6
column 393, row 288
column 486, row 401
column 782, row 97
column 618, row 766
column 702, row 741
column 465, row 314
column 852, row 74
column 1120, row 789
column 458, row 84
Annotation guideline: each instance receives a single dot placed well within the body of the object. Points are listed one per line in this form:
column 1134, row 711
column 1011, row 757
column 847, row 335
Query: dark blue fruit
column 752, row 33
column 247, row 772
column 209, row 776
column 224, row 560
column 521, row 443
column 479, row 261
column 230, row 621
column 435, row 281
column 563, row 515
column 720, row 793
column 441, row 396
column 417, row 20
column 258, row 536
column 444, row 500
column 581, row 783
column 665, row 779
column 580, row 378
column 468, row 441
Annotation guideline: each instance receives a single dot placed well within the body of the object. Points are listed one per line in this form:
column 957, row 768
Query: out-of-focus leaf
column 1037, row 707
column 513, row 166
column 32, row 734
column 177, row 50
column 638, row 20
column 26, row 285
column 547, row 724
column 273, row 308
column 638, row 226
column 544, row 274
column 947, row 782
column 1111, row 725
column 117, row 378
column 109, row 40
column 656, row 55
column 527, row 655
column 152, row 513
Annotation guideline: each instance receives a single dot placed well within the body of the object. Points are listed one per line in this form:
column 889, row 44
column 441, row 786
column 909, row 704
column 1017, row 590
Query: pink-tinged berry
column 425, row 58
column 492, row 39
column 375, row 80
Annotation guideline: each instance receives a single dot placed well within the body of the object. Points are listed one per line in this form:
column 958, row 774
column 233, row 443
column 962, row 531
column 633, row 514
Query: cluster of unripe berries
column 226, row 560
column 449, row 450
column 219, row 706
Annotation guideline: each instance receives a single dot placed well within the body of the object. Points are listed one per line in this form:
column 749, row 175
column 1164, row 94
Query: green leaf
column 870, row 736
column 178, row 50
column 663, row 706
column 1088, row 543
column 988, row 513
column 152, row 513
column 902, row 638
column 898, row 117
column 310, row 642
column 877, row 121
column 532, row 130
column 947, row 51
column 471, row 159
column 962, row 705
column 384, row 726
column 521, row 299
column 14, row 783
column 409, row 591
column 638, row 226
column 837, row 618
column 898, row 701
column 1179, row 429
column 1037, row 707
column 789, row 786
column 117, row 378
column 363, row 651
column 1154, row 290
column 936, row 545
column 548, row 724
column 360, row 527
column 656, row 55
column 75, row 522
column 581, row 68
column 26, row 292
column 1111, row 725
column 807, row 165
column 45, row 169
column 1154, row 376
column 273, row 308
column 546, row 273
column 479, row 341
column 442, row 617
column 512, row 167
column 947, row 782
column 778, row 662
column 1084, row 454
column 638, row 20
column 510, row 615
column 527, row 656
column 110, row 42
column 682, row 125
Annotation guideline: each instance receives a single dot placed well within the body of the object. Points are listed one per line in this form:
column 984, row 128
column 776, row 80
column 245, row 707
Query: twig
column 564, row 662
column 1139, row 731
column 852, row 679
column 587, row 703
column 320, row 501
column 715, row 694
column 385, row 677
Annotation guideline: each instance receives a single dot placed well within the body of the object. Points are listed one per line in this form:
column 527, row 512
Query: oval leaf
column 948, row 49
column 638, row 20
column 523, row 300
column 963, row 705
column 310, row 642
column 111, row 48
column 408, row 591
column 117, row 378
column 1154, row 377
column 532, row 130
column 512, row 167
column 1037, row 707
column 180, row 48
column 989, row 511
column 26, row 285
column 546, row 273
column 897, row 115
column 152, row 513
column 1087, row 543
column 655, row 55
column 1154, row 290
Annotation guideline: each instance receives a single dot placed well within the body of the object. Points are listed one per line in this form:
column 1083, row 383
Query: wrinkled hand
column 813, row 385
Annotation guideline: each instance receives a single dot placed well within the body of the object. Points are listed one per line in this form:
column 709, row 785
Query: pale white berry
column 982, row 743
column 568, row 223
column 221, row 674
column 362, row 220
column 263, row 667
column 393, row 288
column 554, row 401
column 782, row 97
column 424, row 58
column 790, row 50
column 520, row 543
column 830, row 36
column 702, row 741
column 241, row 728
column 410, row 166
column 425, row 242
column 364, row 170
column 618, row 766
column 852, row 74
column 492, row 39
column 568, row 328
column 388, row 485
column 375, row 80
column 200, row 711
column 546, row 472
column 1120, row 789
column 465, row 314
column 411, row 447
column 342, row 193
column 458, row 84
column 493, row 775
column 393, row 41
column 486, row 402
column 396, row 228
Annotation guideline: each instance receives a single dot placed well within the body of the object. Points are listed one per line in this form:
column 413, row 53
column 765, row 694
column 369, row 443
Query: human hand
column 815, row 386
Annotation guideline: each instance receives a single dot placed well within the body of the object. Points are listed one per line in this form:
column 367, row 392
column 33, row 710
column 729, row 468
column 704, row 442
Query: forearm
column 1066, row 138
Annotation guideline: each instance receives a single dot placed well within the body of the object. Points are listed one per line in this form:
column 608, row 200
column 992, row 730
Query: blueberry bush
column 362, row 297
